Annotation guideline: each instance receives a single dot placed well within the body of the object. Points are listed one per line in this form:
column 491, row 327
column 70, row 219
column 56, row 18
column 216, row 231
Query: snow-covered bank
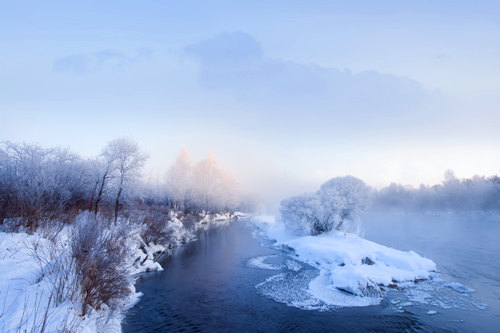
column 40, row 289
column 352, row 271
column 33, row 298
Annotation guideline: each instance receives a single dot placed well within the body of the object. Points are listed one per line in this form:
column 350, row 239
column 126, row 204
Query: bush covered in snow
column 100, row 252
column 336, row 206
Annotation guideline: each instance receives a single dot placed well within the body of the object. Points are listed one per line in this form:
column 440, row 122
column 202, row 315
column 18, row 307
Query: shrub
column 100, row 252
column 155, row 228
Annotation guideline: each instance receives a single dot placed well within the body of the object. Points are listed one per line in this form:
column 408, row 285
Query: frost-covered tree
column 179, row 181
column 37, row 183
column 337, row 205
column 128, row 161
column 214, row 190
column 202, row 187
column 476, row 193
column 118, row 165
column 103, row 170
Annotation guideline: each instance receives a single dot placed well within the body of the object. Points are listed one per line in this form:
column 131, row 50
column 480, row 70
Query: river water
column 210, row 285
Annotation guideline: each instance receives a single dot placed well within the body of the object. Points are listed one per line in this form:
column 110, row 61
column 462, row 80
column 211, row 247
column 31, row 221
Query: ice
column 293, row 265
column 345, row 270
column 291, row 289
column 431, row 312
column 260, row 262
column 459, row 287
column 437, row 293
column 352, row 271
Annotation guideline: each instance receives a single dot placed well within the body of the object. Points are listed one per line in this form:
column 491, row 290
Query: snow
column 27, row 284
column 352, row 271
column 25, row 292
column 340, row 258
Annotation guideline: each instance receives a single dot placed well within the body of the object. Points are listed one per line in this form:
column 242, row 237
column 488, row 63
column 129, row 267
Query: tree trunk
column 99, row 195
column 118, row 201
column 93, row 195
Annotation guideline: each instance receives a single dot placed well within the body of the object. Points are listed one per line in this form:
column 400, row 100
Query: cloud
column 93, row 62
column 75, row 64
column 234, row 63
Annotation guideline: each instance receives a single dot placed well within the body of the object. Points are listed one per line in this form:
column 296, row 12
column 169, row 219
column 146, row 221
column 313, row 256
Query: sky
column 287, row 94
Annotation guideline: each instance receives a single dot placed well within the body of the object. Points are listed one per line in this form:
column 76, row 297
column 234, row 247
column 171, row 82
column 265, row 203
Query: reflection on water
column 218, row 284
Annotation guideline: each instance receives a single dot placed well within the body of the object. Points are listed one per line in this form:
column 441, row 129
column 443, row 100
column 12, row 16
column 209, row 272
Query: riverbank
column 40, row 291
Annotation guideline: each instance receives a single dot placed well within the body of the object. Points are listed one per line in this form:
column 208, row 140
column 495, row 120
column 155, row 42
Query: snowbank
column 352, row 271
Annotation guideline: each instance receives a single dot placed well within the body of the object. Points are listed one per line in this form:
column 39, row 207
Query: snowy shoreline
column 28, row 288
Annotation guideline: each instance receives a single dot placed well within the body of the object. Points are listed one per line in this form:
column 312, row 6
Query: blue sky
column 286, row 93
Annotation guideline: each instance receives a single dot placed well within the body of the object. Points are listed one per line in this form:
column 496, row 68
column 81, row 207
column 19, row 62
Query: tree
column 103, row 168
column 38, row 183
column 128, row 161
column 179, row 180
column 337, row 205
column 214, row 190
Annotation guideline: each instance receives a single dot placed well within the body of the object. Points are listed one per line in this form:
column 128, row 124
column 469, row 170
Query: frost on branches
column 336, row 206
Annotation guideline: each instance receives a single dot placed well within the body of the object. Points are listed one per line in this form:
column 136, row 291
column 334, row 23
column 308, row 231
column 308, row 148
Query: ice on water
column 343, row 270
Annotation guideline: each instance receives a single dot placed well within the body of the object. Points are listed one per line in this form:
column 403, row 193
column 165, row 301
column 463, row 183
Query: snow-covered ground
column 352, row 271
column 28, row 290
column 38, row 290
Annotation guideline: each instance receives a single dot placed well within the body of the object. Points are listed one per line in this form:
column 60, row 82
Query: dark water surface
column 208, row 286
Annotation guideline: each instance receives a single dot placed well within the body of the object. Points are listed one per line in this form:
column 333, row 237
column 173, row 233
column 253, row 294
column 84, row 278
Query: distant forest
column 476, row 193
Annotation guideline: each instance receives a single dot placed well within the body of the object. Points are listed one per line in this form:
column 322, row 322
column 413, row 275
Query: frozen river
column 210, row 285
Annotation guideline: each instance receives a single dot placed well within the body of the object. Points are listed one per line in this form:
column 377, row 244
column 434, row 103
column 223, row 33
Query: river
column 209, row 286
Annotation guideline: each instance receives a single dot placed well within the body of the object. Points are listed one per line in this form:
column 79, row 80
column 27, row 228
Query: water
column 466, row 249
column 210, row 285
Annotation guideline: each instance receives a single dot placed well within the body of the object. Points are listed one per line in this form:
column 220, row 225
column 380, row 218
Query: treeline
column 38, row 184
column 468, row 194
